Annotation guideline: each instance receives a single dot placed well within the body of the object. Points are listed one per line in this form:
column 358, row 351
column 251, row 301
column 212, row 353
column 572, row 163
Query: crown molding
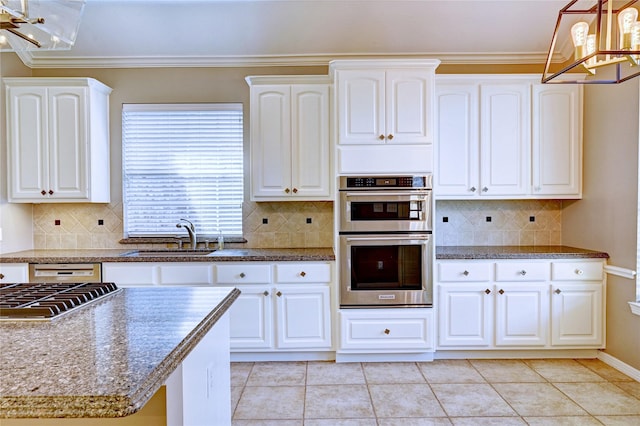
column 42, row 61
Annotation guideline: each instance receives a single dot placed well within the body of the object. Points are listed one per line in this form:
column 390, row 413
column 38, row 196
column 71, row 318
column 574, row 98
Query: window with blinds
column 182, row 161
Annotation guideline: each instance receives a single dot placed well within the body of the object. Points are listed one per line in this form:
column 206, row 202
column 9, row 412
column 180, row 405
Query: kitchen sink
column 167, row 253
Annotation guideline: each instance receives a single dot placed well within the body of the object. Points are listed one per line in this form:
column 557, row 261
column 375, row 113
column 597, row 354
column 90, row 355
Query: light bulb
column 626, row 19
column 579, row 33
column 635, row 36
column 591, row 47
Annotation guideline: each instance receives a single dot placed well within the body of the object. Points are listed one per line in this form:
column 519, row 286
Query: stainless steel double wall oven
column 385, row 241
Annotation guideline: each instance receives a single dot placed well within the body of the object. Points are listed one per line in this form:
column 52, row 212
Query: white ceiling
column 138, row 33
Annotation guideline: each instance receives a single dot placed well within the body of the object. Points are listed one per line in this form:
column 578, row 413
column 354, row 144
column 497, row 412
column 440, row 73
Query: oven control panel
column 390, row 182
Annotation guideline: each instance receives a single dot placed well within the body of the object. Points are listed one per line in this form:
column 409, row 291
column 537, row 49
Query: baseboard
column 625, row 368
column 384, row 357
column 516, row 354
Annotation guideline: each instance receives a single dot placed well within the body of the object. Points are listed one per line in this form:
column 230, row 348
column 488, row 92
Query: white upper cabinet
column 557, row 140
column 384, row 115
column 504, row 139
column 58, row 134
column 384, row 106
column 507, row 137
column 290, row 138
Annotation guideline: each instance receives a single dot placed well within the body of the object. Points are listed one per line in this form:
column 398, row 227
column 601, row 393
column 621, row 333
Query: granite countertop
column 120, row 255
column 108, row 358
column 516, row 252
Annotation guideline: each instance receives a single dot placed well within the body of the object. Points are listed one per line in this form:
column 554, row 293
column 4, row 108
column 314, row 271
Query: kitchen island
column 108, row 359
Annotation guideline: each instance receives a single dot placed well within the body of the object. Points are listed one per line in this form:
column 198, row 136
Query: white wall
column 606, row 218
column 16, row 220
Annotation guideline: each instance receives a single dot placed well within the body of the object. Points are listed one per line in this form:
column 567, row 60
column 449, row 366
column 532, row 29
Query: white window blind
column 182, row 161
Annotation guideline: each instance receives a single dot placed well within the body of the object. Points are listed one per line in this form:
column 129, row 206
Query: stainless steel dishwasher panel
column 67, row 272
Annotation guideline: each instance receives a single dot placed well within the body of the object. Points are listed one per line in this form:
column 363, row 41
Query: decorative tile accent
column 467, row 223
column 287, row 225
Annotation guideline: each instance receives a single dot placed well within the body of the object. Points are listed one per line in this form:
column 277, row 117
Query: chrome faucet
column 191, row 229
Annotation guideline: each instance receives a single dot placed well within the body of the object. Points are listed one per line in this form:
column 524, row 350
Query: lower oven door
column 384, row 270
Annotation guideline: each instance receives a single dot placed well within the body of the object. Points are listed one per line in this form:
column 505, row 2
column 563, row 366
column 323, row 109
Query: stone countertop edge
column 119, row 255
column 516, row 252
column 118, row 405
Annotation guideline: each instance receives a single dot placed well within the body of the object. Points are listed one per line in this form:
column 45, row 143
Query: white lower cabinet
column 282, row 306
column 14, row 272
column 139, row 274
column 386, row 330
column 506, row 304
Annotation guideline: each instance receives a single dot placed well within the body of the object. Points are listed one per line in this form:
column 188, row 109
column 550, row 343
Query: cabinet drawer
column 465, row 271
column 577, row 271
column 522, row 271
column 130, row 274
column 244, row 274
column 387, row 332
column 303, row 272
column 14, row 273
column 186, row 274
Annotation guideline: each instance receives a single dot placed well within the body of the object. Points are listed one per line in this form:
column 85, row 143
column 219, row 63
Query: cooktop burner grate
column 48, row 300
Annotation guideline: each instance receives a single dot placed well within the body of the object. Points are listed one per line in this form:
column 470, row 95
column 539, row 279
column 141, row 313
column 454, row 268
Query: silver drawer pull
column 579, row 272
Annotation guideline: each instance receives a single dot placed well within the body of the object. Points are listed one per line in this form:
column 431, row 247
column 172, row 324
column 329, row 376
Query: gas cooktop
column 45, row 301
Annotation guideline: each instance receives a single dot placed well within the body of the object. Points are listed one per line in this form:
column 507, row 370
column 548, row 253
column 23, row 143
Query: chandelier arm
column 24, row 37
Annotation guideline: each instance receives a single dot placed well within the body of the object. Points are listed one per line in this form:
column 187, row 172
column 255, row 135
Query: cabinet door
column 68, row 159
column 522, row 314
column 310, row 140
column 408, row 106
column 576, row 314
column 457, row 151
column 28, row 150
column 361, row 107
column 557, row 156
column 504, row 139
column 271, row 141
column 251, row 319
column 465, row 315
column 303, row 317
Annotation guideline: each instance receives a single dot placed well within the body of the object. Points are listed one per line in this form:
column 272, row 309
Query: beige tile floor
column 444, row 392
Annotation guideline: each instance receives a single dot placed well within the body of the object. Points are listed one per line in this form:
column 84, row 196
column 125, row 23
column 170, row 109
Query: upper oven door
column 385, row 210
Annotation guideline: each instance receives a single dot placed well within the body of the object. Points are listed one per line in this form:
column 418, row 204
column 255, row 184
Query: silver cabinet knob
column 558, row 291
column 579, row 272
column 487, row 291
column 501, row 291
column 473, row 189
column 242, row 275
column 266, row 293
column 465, row 273
column 279, row 294
column 523, row 272
column 485, row 189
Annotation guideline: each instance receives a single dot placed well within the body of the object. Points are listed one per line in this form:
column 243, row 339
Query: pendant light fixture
column 597, row 41
column 31, row 25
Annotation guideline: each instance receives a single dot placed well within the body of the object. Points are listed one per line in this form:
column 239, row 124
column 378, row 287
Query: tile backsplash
column 491, row 223
column 310, row 224
column 266, row 225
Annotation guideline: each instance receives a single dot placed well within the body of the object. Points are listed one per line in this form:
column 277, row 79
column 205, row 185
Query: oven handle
column 390, row 238
column 385, row 193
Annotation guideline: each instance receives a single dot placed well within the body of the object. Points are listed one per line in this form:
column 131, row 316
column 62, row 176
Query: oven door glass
column 396, row 267
column 385, row 211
